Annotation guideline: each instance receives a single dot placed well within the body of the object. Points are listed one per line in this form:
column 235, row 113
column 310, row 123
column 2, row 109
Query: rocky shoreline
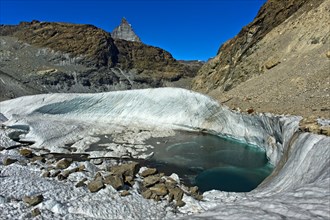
column 124, row 176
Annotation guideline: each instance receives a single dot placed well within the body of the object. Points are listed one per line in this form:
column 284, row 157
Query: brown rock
column 146, row 194
column 63, row 163
column 129, row 169
column 151, row 180
column 129, row 180
column 33, row 200
column 95, row 185
column 26, row 152
column 328, row 54
column 250, row 110
column 272, row 63
column 114, row 180
column 176, row 193
column 7, row 161
column 148, row 172
column 125, row 193
column 193, row 190
column 159, row 189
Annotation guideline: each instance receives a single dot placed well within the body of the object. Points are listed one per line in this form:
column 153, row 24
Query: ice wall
column 298, row 188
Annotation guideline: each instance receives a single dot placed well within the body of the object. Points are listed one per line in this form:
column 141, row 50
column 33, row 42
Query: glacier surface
column 299, row 187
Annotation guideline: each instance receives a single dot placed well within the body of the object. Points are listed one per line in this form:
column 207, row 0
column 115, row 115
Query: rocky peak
column 125, row 32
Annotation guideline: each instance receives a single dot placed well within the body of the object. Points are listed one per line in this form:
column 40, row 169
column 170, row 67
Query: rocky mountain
column 125, row 32
column 278, row 63
column 62, row 57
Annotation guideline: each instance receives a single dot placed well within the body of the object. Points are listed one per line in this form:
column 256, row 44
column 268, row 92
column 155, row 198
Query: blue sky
column 188, row 29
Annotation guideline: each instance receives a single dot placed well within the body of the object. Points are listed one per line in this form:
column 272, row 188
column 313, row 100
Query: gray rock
column 54, row 173
column 35, row 212
column 125, row 32
column 95, row 185
column 114, row 180
column 97, row 161
column 148, row 172
column 81, row 183
column 33, row 200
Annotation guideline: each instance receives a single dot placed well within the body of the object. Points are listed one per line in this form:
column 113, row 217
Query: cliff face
column 230, row 67
column 125, row 32
column 278, row 63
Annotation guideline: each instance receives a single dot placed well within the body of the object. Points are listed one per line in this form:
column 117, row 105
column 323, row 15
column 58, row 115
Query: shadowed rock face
column 125, row 32
column 230, row 66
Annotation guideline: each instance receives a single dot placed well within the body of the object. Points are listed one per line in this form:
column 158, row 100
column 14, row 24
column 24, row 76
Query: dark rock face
column 228, row 69
column 125, row 32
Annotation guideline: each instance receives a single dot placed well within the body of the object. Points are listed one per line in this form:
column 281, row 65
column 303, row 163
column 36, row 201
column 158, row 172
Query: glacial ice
column 299, row 187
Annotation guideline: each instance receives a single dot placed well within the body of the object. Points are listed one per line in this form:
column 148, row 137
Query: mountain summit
column 125, row 32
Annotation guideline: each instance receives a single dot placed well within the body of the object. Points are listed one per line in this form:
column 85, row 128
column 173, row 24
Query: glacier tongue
column 298, row 188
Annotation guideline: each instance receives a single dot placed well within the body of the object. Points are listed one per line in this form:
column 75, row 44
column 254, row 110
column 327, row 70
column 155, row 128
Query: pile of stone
column 150, row 183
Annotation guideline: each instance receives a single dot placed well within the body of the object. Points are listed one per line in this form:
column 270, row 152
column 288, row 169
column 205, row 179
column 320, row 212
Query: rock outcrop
column 277, row 63
column 40, row 57
column 125, row 32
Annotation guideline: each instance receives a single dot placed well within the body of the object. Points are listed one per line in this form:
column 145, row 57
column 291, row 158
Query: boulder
column 95, row 185
column 33, row 200
column 7, row 161
column 151, row 180
column 63, row 163
column 26, row 152
column 146, row 194
column 159, row 189
column 129, row 169
column 35, row 212
column 176, row 193
column 115, row 181
column 129, row 180
column 148, row 172
column 125, row 193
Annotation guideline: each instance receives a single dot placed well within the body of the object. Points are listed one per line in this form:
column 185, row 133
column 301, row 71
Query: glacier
column 298, row 188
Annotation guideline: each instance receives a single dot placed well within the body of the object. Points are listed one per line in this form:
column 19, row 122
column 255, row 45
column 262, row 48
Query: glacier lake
column 210, row 162
column 204, row 160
